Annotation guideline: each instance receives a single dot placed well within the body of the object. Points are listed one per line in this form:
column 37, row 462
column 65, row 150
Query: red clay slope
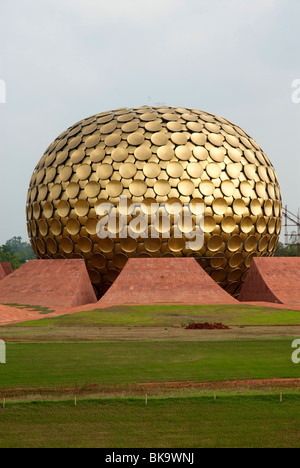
column 5, row 269
column 164, row 281
column 275, row 279
column 49, row 283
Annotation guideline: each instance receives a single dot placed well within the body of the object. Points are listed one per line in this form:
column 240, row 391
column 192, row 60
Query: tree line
column 16, row 251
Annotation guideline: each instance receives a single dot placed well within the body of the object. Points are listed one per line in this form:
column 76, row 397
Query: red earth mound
column 5, row 269
column 275, row 280
column 164, row 281
column 207, row 326
column 55, row 284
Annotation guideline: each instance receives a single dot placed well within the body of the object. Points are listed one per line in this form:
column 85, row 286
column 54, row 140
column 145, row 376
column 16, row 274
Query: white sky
column 64, row 60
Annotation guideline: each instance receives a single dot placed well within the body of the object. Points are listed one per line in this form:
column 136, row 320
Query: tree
column 23, row 249
column 16, row 252
column 288, row 250
column 8, row 255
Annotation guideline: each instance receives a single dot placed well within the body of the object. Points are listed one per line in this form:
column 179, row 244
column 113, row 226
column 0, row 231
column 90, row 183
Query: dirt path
column 250, row 383
column 176, row 333
column 10, row 314
column 154, row 389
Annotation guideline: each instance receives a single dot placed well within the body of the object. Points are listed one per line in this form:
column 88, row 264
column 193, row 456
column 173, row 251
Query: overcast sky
column 64, row 60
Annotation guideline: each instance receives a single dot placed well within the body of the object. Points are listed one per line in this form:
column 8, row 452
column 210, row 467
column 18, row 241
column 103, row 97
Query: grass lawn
column 231, row 421
column 166, row 315
column 43, row 369
column 122, row 363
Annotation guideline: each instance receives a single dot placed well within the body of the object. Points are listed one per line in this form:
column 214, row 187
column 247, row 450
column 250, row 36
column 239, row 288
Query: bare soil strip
column 138, row 333
column 150, row 388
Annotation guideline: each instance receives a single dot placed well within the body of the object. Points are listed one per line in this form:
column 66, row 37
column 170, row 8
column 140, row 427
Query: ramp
column 48, row 283
column 273, row 279
column 149, row 281
column 5, row 269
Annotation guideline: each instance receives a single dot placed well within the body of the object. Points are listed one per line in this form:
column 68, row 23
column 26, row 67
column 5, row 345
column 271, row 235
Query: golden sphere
column 155, row 154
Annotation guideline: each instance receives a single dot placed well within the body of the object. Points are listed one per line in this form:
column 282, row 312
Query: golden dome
column 161, row 155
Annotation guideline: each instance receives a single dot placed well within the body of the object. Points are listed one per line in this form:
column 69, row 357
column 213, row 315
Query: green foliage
column 7, row 255
column 291, row 250
column 16, row 252
column 23, row 249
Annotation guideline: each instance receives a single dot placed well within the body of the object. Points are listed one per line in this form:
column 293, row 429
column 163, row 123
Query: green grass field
column 52, row 359
column 53, row 365
column 231, row 421
column 166, row 315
